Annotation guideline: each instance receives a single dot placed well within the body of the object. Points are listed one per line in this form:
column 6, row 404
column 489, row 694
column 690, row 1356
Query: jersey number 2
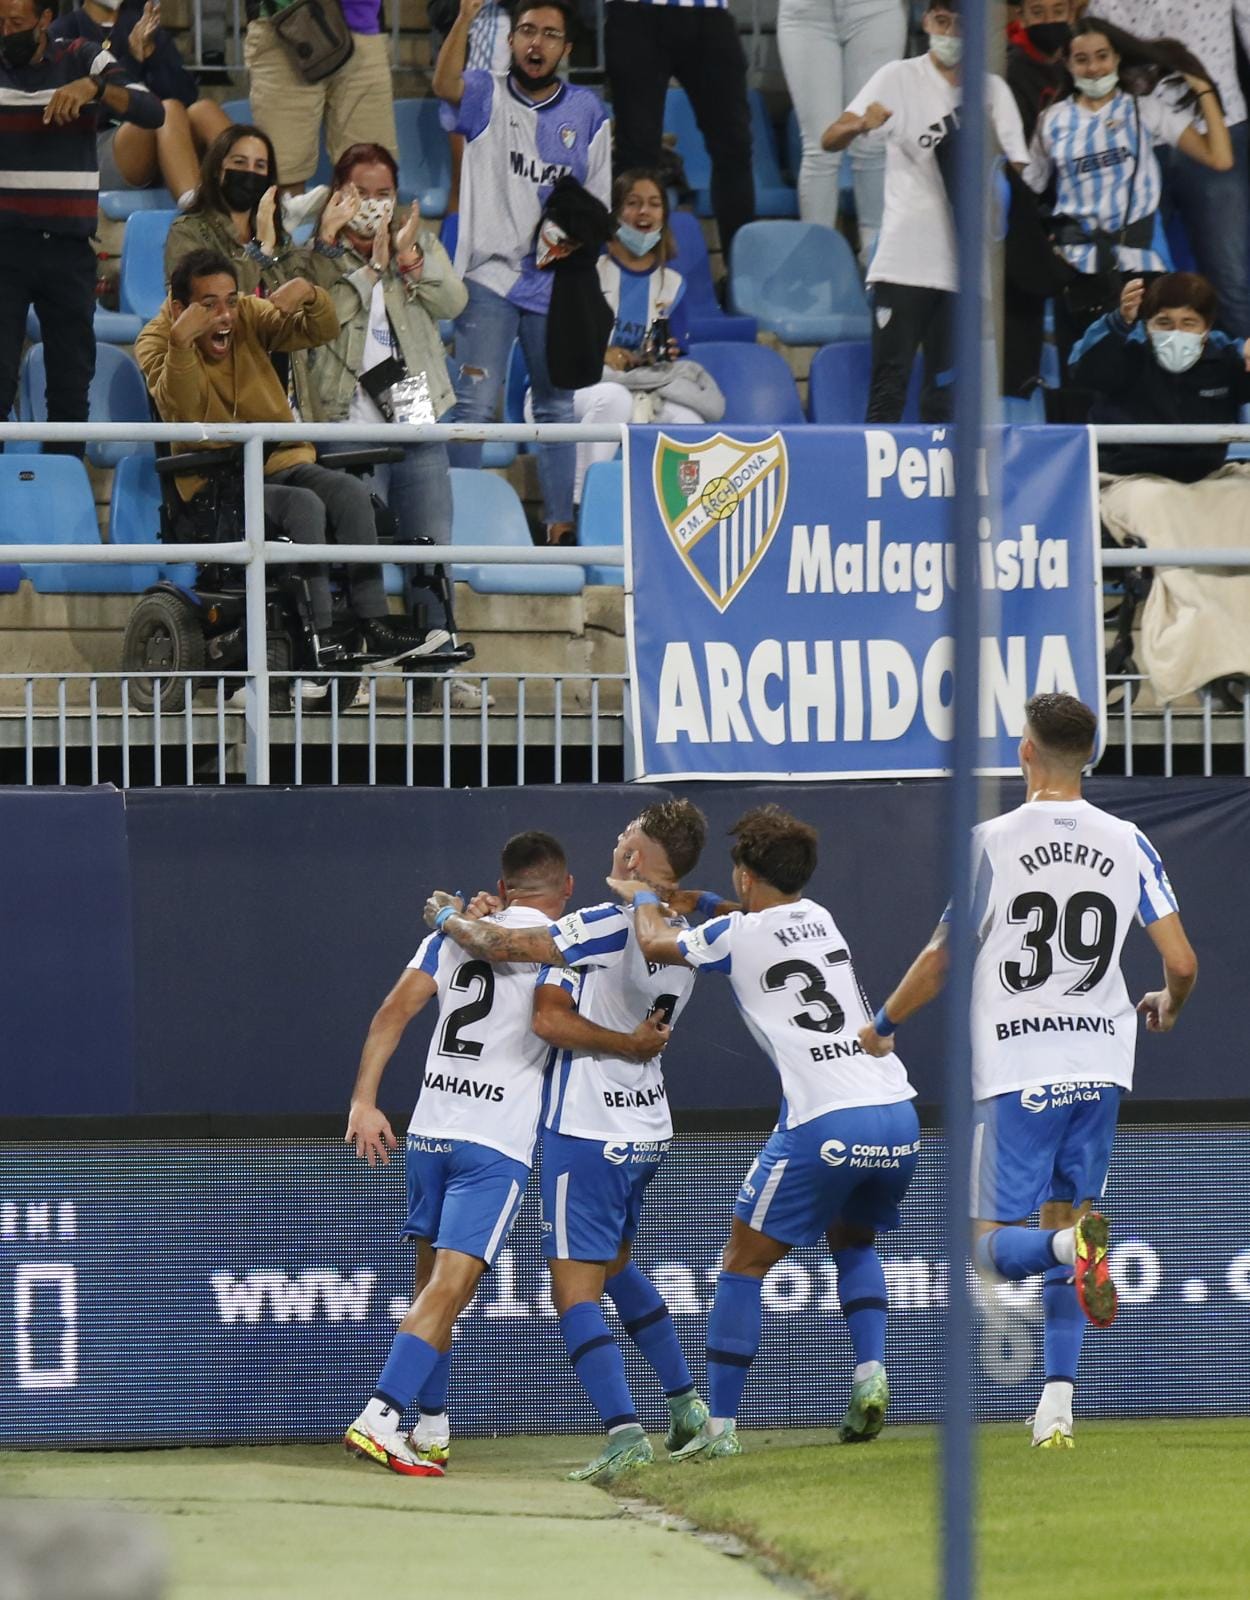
column 832, row 1018
column 473, row 1010
column 1042, row 915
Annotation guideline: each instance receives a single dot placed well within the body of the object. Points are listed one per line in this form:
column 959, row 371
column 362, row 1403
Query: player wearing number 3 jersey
column 470, row 1144
column 1057, row 883
column 845, row 1146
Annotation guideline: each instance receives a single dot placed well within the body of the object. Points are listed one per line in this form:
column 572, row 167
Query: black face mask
column 530, row 85
column 242, row 191
column 1049, row 37
column 18, row 49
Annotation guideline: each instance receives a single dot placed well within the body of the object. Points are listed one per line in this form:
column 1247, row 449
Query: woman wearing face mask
column 142, row 158
column 391, row 283
column 1160, row 359
column 645, row 373
column 1097, row 148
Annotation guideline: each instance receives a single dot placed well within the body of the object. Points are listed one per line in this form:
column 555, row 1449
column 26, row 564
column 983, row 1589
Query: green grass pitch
column 1139, row 1511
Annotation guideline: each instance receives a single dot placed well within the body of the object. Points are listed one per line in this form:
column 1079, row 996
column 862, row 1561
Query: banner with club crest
column 787, row 596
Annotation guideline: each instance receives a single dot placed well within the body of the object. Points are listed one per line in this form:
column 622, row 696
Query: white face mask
column 1176, row 351
column 370, row 216
column 110, row 5
column 1098, row 88
column 948, row 48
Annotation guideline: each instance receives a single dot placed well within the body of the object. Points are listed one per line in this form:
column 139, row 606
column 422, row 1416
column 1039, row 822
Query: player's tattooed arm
column 656, row 940
column 557, row 1022
column 921, row 984
column 368, row 1128
column 490, row 942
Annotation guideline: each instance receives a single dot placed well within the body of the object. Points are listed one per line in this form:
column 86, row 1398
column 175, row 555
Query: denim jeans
column 1216, row 211
column 485, row 330
column 418, row 491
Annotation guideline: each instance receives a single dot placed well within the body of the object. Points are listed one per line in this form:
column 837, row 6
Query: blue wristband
column 883, row 1025
column 645, row 897
column 441, row 918
column 708, row 904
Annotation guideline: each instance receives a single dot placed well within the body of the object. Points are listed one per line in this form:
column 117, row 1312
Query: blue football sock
column 432, row 1396
column 733, row 1340
column 598, row 1362
column 407, row 1367
column 648, row 1323
column 1015, row 1253
column 1063, row 1326
column 865, row 1300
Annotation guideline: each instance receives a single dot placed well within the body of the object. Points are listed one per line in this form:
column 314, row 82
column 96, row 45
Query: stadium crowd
column 1121, row 128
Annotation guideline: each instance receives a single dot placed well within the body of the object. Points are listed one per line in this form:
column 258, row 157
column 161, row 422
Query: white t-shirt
column 380, row 346
column 797, row 991
column 917, row 241
column 613, row 984
column 486, row 1067
column 1057, row 884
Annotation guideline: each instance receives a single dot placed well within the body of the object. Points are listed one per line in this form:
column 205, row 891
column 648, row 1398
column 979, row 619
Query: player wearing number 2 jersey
column 606, row 1126
column 470, row 1144
column 846, row 1141
column 1057, row 883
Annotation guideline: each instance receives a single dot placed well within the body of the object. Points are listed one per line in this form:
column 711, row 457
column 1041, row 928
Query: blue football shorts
column 850, row 1166
column 592, row 1194
column 1048, row 1143
column 461, row 1196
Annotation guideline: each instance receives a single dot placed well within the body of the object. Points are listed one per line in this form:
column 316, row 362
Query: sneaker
column 688, row 1416
column 1057, row 1437
column 466, row 696
column 707, row 1446
column 388, row 1448
column 1095, row 1291
column 390, row 640
column 628, row 1448
column 865, row 1416
column 297, row 208
column 435, row 1451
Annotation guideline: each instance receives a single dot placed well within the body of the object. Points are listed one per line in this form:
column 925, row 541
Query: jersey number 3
column 1042, row 916
column 464, row 977
column 812, row 992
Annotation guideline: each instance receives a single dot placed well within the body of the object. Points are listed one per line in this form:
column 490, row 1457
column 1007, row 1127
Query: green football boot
column 707, row 1446
column 628, row 1448
column 865, row 1416
column 688, row 1415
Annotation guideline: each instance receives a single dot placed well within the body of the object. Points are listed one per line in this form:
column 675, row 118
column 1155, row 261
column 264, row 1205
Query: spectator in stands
column 912, row 107
column 1098, row 149
column 829, row 50
column 647, row 42
column 143, row 158
column 355, row 101
column 647, row 296
column 1213, row 202
column 524, row 129
column 206, row 358
column 488, row 51
column 52, row 92
column 1159, row 359
column 390, row 287
column 1037, row 57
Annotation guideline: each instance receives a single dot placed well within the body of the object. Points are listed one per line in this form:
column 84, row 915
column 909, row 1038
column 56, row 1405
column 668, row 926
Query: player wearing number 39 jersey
column 847, row 1138
column 1057, row 884
column 470, row 1144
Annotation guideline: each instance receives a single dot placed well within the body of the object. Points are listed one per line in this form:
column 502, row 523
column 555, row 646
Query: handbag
column 315, row 36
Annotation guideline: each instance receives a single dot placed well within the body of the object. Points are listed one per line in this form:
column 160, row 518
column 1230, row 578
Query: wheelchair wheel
column 162, row 636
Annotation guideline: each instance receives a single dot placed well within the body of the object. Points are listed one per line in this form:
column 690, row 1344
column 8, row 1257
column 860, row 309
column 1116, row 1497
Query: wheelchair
column 174, row 629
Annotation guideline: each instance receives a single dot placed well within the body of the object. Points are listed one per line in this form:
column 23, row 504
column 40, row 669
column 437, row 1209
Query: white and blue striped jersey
column 795, row 985
column 514, row 152
column 614, row 985
column 486, row 1068
column 638, row 298
column 1057, row 884
column 1105, row 169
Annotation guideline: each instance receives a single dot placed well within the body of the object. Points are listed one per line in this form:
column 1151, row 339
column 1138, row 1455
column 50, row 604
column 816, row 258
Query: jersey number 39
column 1086, row 930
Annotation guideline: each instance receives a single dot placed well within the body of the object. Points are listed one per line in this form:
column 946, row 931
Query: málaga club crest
column 721, row 501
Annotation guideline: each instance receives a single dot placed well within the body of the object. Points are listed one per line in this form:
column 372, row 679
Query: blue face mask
column 636, row 241
column 1177, row 352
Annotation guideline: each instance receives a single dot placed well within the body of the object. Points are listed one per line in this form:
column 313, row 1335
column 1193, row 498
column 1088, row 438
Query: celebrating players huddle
column 552, row 1025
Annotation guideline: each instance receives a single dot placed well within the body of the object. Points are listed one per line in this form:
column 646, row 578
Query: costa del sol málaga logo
column 721, row 501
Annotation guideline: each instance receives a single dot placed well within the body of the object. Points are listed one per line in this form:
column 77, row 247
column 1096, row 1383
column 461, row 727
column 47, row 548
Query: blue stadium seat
column 773, row 196
column 110, row 327
column 703, row 311
column 487, row 511
column 1019, row 411
column 800, row 280
column 10, row 579
column 241, row 111
column 757, row 384
column 424, row 156
column 601, row 515
column 142, row 285
column 119, row 205
column 135, row 515
column 839, row 380
column 117, row 394
column 49, row 498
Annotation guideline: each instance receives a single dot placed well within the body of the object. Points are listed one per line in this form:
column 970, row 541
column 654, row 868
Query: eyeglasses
column 528, row 32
